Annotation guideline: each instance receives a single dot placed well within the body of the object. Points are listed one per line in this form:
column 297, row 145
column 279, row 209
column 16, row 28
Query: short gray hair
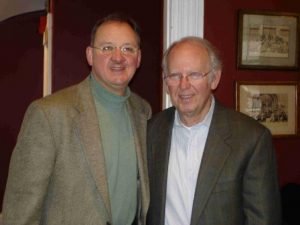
column 213, row 53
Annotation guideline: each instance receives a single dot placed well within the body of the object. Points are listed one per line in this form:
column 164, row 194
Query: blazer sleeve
column 260, row 185
column 30, row 170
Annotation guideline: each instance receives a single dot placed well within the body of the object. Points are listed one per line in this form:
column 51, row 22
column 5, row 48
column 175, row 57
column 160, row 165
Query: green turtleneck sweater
column 119, row 151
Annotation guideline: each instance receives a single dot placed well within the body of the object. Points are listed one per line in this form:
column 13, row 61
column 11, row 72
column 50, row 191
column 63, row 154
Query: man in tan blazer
column 208, row 165
column 80, row 158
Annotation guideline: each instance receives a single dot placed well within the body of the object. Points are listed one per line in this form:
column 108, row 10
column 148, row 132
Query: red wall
column 220, row 27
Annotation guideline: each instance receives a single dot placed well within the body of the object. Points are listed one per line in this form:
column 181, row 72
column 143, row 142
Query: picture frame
column 268, row 40
column 273, row 104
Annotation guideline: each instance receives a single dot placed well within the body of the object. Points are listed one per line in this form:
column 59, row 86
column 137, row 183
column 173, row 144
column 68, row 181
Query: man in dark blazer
column 208, row 165
column 80, row 158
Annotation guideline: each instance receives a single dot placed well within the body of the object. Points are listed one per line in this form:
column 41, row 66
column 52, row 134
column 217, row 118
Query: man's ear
column 165, row 83
column 139, row 59
column 89, row 55
column 216, row 80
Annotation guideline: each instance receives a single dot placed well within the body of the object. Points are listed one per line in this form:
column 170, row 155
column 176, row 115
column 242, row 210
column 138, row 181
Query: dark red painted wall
column 21, row 77
column 220, row 27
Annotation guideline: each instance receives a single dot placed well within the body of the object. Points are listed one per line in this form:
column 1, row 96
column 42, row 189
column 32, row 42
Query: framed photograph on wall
column 268, row 40
column 274, row 104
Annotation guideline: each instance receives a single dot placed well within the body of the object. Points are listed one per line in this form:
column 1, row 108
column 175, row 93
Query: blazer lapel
column 161, row 159
column 215, row 154
column 89, row 133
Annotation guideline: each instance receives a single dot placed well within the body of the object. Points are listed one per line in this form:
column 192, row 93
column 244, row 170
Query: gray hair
column 213, row 53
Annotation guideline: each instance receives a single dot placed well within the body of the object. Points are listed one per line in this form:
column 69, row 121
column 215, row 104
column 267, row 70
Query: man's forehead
column 112, row 29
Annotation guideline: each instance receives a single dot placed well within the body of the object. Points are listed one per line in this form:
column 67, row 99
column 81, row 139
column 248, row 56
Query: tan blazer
column 57, row 171
column 237, row 181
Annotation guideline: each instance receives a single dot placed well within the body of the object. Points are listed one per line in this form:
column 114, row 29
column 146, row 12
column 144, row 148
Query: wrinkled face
column 114, row 69
column 192, row 98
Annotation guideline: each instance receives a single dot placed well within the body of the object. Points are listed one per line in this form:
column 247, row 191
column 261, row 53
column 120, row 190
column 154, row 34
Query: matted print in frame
column 274, row 104
column 268, row 40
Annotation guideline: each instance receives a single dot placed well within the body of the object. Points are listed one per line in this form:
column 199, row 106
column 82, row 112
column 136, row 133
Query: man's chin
column 121, row 84
column 186, row 107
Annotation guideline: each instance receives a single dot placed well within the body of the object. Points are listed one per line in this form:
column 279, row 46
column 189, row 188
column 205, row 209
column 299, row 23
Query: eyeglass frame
column 110, row 52
column 188, row 76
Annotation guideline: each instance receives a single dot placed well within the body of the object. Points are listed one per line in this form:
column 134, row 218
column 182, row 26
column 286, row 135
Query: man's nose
column 117, row 55
column 184, row 82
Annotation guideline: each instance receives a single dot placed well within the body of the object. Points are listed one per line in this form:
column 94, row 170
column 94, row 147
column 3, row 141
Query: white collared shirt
column 186, row 152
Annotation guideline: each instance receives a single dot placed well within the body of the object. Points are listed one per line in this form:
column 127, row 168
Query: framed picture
column 268, row 40
column 274, row 104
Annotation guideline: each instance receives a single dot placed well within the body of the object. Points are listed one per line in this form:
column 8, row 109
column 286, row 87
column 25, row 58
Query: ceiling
column 9, row 8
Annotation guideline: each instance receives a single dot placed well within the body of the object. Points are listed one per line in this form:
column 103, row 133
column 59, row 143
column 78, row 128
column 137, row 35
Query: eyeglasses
column 109, row 49
column 175, row 78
